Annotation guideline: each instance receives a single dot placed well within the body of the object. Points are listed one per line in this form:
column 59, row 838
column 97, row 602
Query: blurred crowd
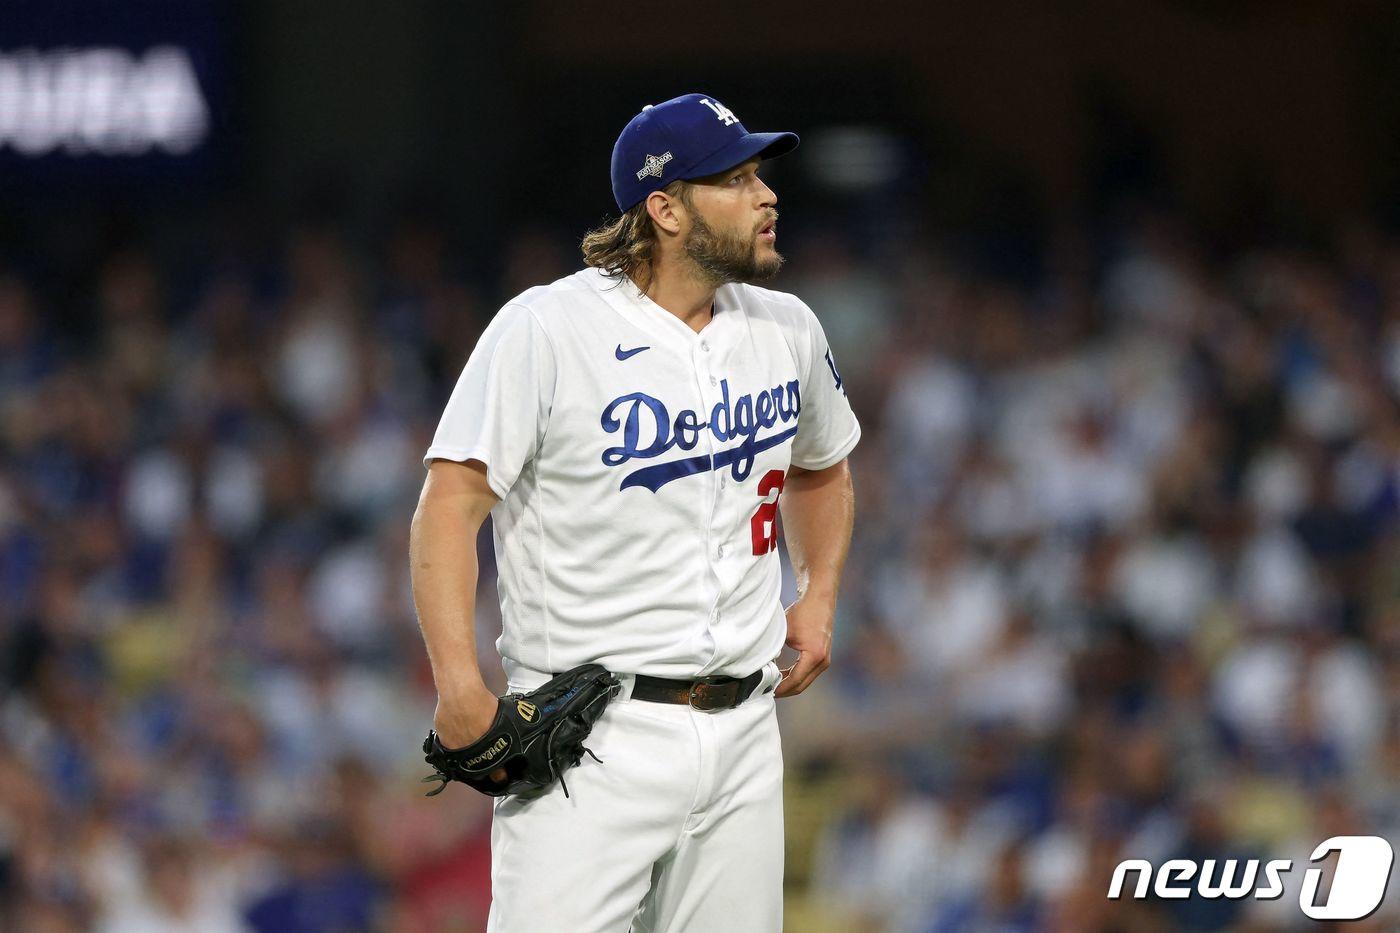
column 1125, row 582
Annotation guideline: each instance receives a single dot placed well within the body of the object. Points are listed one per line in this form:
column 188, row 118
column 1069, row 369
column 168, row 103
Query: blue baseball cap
column 690, row 136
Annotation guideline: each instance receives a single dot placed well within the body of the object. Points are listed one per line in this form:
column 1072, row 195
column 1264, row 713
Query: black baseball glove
column 535, row 736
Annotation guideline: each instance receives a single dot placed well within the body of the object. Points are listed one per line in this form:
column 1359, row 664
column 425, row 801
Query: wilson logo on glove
column 488, row 757
column 526, row 710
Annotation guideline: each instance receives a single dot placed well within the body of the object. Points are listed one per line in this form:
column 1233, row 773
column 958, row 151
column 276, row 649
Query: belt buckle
column 706, row 699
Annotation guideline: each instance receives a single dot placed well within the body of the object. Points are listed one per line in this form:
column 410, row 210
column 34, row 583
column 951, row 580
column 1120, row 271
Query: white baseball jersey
column 639, row 466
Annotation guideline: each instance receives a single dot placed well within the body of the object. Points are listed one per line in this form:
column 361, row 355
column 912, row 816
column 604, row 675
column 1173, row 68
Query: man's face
column 733, row 227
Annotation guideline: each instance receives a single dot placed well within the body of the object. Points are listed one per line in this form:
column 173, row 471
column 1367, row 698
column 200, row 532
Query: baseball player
column 634, row 430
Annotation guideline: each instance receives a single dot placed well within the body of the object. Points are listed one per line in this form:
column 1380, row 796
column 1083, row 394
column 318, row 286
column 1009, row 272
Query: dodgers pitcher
column 634, row 430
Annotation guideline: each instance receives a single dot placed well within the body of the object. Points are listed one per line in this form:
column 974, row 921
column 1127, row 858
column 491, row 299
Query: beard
column 728, row 257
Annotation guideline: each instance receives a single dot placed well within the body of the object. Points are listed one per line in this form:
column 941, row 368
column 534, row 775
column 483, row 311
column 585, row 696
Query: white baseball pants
column 680, row 828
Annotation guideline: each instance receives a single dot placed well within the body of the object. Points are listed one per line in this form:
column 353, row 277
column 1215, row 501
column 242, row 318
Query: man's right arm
column 442, row 553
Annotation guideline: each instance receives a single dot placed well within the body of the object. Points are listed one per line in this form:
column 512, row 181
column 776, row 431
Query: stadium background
column 1115, row 287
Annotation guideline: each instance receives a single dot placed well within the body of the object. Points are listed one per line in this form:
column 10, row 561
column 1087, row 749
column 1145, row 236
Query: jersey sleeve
column 499, row 409
column 827, row 429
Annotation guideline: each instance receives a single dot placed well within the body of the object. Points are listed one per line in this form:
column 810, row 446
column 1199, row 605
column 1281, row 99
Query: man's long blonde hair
column 627, row 246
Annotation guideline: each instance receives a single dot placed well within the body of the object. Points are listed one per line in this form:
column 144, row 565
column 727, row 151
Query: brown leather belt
column 705, row 693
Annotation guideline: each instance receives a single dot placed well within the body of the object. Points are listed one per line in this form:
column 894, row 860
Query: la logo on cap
column 721, row 112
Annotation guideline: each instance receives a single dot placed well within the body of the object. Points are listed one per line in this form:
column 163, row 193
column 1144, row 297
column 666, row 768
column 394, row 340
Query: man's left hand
column 809, row 624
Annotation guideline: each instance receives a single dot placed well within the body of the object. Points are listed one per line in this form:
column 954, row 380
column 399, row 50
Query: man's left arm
column 818, row 510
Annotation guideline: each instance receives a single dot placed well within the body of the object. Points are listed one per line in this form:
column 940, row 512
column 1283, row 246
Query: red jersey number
column 764, row 523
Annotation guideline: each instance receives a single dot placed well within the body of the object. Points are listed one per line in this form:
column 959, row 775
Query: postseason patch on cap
column 654, row 165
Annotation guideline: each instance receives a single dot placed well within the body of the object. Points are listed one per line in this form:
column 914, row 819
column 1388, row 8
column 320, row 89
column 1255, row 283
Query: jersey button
column 704, row 345
column 719, row 551
column 714, row 381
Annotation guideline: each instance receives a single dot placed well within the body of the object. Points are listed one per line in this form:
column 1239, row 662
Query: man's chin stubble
column 721, row 272
column 763, row 271
column 720, row 266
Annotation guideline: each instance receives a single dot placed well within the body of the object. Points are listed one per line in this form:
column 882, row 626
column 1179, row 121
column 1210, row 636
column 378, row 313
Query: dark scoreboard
column 122, row 92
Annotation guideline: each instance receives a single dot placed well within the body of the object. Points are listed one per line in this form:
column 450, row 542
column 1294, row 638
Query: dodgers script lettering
column 649, row 431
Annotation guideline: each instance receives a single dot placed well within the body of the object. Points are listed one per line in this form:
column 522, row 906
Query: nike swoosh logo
column 622, row 354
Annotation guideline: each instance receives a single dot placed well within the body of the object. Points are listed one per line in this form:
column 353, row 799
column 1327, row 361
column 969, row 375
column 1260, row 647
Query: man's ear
column 665, row 211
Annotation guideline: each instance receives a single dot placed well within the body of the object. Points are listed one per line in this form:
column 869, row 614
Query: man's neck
column 679, row 290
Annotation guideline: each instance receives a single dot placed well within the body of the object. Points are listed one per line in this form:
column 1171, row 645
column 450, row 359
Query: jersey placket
column 718, row 353
column 704, row 353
